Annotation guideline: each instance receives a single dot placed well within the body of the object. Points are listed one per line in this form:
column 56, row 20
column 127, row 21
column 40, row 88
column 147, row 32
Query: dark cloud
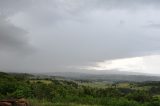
column 13, row 38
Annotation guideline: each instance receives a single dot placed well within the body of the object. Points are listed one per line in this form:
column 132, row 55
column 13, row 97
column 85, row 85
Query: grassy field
column 104, row 85
column 34, row 102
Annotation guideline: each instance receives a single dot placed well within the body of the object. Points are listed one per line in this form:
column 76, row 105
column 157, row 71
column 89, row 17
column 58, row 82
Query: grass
column 97, row 102
column 35, row 102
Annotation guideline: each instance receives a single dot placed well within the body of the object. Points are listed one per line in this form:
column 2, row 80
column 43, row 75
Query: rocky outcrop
column 14, row 102
column 5, row 104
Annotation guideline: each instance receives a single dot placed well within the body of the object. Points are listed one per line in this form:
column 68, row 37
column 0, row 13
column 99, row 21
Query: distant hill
column 111, row 76
column 20, row 76
column 115, row 77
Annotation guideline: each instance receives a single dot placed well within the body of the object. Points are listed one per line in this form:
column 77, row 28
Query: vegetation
column 51, row 92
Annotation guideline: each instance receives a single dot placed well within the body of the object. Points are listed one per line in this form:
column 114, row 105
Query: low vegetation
column 51, row 92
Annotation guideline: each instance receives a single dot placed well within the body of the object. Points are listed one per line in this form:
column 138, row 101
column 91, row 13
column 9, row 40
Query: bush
column 140, row 96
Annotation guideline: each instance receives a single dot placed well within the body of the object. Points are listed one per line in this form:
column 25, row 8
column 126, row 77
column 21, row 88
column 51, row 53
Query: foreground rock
column 5, row 104
column 14, row 102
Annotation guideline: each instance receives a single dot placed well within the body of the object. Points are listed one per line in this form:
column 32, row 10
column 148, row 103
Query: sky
column 80, row 36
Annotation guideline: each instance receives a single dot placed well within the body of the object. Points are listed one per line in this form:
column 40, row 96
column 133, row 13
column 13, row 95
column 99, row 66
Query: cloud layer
column 143, row 64
column 68, row 33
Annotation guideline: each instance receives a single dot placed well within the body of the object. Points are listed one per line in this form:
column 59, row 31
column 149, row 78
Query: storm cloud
column 75, row 33
column 12, row 38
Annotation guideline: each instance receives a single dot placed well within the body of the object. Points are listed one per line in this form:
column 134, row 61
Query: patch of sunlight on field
column 132, row 86
column 42, row 81
column 123, row 85
column 95, row 84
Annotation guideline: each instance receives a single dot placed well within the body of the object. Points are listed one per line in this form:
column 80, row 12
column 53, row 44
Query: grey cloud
column 14, row 41
column 9, row 7
column 52, row 11
column 127, row 4
column 153, row 25
column 12, row 38
column 76, row 32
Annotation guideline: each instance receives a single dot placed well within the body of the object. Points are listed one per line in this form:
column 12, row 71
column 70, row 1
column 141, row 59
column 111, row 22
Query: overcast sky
column 80, row 35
